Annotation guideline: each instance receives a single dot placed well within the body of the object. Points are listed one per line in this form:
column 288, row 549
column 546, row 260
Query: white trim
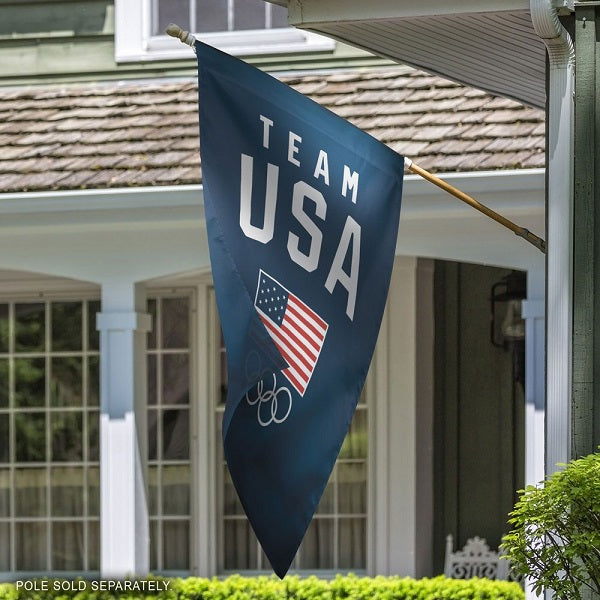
column 133, row 42
column 168, row 196
column 180, row 197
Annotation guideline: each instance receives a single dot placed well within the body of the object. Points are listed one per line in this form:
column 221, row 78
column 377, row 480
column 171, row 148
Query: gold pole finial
column 185, row 36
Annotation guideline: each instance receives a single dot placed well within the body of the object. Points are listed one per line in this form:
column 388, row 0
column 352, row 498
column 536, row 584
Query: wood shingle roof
column 146, row 133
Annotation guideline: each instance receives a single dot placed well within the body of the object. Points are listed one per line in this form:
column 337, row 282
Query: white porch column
column 124, row 530
column 535, row 379
column 401, row 410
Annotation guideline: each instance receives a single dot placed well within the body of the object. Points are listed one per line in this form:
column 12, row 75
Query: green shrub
column 556, row 531
column 291, row 588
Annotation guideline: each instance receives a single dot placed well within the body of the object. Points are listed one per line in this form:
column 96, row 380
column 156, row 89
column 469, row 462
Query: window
column 209, row 16
column 336, row 539
column 239, row 27
column 49, row 448
column 169, row 466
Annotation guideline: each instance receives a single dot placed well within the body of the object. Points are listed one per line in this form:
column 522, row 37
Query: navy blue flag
column 302, row 212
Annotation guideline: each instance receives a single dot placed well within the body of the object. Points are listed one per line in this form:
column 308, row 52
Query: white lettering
column 266, row 124
column 322, row 166
column 262, row 234
column 309, row 261
column 350, row 182
column 292, row 148
column 351, row 234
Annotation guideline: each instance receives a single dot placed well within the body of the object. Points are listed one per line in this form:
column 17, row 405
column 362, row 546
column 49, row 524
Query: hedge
column 348, row 587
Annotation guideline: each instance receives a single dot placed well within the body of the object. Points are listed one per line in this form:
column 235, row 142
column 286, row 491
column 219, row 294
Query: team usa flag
column 302, row 212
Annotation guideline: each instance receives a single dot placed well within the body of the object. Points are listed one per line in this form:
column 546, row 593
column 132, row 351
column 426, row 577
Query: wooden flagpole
column 538, row 242
column 187, row 38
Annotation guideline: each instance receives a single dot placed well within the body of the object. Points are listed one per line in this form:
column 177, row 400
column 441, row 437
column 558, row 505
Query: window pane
column 94, row 546
column 30, row 382
column 31, row 546
column 240, row 545
column 352, row 482
column 67, row 491
column 67, row 546
column 176, row 443
column 249, row 14
column 154, row 536
column 317, row 547
column 352, row 543
column 4, row 439
column 4, row 382
column 327, row 503
column 175, row 322
column 30, row 492
column 30, row 430
column 152, row 434
column 151, row 373
column 93, row 491
column 223, row 376
column 66, row 430
column 176, row 544
column 211, row 15
column 176, row 379
column 231, row 502
column 93, row 381
column 66, row 381
column 30, row 322
column 153, row 490
column 151, row 308
column 172, row 11
column 66, row 325
column 176, row 490
column 3, row 327
column 279, row 16
column 5, row 547
column 355, row 444
column 93, row 333
column 4, row 493
column 93, row 418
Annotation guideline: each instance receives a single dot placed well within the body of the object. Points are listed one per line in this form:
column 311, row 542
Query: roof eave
column 488, row 44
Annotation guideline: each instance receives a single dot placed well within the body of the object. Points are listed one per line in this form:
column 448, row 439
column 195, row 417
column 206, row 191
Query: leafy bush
column 291, row 588
column 556, row 531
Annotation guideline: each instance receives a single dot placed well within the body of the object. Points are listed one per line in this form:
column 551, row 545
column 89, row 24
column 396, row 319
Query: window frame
column 134, row 42
column 159, row 294
column 87, row 463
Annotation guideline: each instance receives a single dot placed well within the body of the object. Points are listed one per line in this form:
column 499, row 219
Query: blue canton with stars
column 271, row 299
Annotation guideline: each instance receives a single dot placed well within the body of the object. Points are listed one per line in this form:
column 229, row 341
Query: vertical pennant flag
column 302, row 212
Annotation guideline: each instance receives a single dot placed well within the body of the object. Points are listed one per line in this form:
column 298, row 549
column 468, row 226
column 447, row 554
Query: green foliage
column 556, row 531
column 290, row 588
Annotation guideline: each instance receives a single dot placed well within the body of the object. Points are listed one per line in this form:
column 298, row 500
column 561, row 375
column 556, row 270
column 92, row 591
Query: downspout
column 559, row 216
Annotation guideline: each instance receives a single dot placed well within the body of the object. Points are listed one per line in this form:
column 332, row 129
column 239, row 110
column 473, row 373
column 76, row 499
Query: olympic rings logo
column 272, row 405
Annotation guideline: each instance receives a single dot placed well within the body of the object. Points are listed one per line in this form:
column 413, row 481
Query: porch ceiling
column 487, row 44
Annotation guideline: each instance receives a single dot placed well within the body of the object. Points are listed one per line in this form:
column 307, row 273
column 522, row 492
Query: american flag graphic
column 296, row 329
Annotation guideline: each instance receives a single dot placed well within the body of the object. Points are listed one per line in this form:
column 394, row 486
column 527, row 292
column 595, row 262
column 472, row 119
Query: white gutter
column 559, row 271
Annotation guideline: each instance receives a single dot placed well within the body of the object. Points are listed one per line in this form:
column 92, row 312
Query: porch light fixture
column 509, row 333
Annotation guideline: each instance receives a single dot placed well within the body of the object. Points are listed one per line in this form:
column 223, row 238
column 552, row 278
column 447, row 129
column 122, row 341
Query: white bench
column 477, row 560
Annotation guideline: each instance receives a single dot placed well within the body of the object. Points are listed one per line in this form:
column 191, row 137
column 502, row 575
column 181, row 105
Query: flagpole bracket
column 177, row 32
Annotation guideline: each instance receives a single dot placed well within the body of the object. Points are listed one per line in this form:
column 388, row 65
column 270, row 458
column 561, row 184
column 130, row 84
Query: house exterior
column 111, row 361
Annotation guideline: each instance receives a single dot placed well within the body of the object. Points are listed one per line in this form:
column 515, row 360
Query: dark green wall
column 479, row 412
